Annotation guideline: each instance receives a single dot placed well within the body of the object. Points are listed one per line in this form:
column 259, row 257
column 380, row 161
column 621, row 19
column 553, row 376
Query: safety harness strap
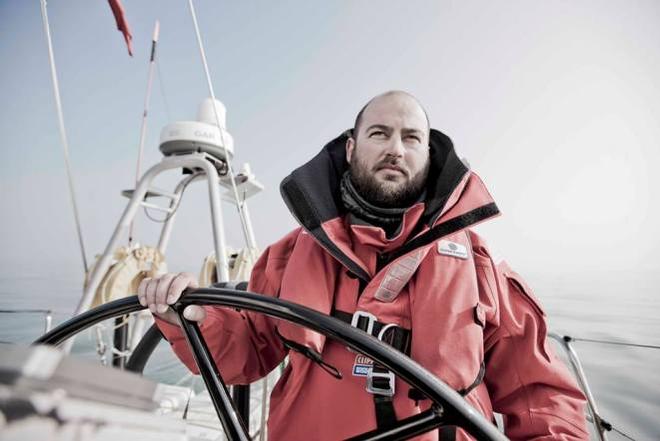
column 380, row 381
column 448, row 433
column 385, row 414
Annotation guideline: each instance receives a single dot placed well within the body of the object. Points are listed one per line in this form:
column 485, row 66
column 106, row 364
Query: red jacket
column 436, row 278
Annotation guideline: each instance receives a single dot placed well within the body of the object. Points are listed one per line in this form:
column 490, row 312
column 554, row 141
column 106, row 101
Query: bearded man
column 386, row 212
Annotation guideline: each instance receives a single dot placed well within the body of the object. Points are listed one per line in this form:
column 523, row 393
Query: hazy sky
column 556, row 105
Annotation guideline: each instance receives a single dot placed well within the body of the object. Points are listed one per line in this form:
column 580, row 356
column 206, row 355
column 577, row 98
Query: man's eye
column 414, row 137
column 378, row 133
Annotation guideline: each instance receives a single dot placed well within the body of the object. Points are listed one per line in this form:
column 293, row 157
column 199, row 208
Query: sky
column 555, row 104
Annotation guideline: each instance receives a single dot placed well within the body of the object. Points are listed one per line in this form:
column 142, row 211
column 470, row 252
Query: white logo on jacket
column 452, row 249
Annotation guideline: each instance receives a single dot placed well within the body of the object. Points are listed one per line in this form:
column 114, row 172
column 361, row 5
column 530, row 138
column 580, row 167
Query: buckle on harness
column 377, row 389
column 384, row 329
column 356, row 321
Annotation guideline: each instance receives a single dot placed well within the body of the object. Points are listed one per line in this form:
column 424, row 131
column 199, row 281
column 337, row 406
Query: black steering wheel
column 448, row 407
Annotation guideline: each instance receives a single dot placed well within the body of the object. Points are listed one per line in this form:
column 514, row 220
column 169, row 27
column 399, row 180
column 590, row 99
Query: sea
column 615, row 307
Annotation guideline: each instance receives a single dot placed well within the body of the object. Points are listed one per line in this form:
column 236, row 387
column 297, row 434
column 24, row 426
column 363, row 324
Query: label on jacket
column 362, row 365
column 453, row 249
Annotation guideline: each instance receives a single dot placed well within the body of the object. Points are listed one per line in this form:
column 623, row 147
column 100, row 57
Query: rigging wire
column 63, row 137
column 249, row 239
column 47, row 314
column 607, row 426
column 143, row 128
column 623, row 434
column 610, row 342
column 161, row 84
column 26, row 311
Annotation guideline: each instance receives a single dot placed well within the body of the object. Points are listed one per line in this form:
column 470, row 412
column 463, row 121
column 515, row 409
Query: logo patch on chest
column 452, row 249
column 362, row 365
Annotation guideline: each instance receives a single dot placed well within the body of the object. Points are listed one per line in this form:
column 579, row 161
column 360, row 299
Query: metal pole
column 581, row 377
column 248, row 224
column 221, row 266
column 194, row 160
column 169, row 223
column 49, row 321
column 120, row 342
column 63, row 137
column 143, row 128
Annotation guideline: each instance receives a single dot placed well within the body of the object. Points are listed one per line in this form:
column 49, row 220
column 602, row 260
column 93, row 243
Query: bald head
column 388, row 153
column 397, row 98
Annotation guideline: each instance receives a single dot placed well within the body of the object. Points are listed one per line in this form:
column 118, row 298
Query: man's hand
column 159, row 292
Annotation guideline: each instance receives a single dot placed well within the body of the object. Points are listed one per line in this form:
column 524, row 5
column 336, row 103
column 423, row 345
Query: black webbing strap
column 447, row 433
column 416, row 395
column 383, row 404
column 477, row 381
column 380, row 381
column 312, row 355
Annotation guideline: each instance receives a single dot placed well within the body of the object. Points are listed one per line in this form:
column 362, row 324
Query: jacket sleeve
column 532, row 388
column 244, row 345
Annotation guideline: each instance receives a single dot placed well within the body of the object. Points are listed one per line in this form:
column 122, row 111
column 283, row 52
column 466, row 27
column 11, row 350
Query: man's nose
column 395, row 147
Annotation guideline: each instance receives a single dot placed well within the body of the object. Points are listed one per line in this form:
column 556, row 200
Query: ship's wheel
column 448, row 407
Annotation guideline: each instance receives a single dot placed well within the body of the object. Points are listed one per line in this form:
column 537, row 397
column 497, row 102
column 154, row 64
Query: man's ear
column 350, row 146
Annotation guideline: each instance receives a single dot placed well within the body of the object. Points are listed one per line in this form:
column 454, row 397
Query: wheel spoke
column 224, row 406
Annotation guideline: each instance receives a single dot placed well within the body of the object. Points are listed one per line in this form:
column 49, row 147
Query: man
column 385, row 212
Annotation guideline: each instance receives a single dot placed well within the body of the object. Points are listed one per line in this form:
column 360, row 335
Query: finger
column 150, row 294
column 180, row 282
column 195, row 313
column 162, row 287
column 142, row 291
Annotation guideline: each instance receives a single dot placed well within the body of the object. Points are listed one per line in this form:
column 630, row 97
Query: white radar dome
column 203, row 135
column 206, row 114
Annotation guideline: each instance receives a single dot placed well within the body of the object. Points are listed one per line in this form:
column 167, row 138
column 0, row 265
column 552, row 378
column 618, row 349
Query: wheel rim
column 451, row 408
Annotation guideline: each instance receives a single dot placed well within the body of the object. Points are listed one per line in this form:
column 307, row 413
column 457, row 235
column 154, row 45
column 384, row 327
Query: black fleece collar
column 312, row 191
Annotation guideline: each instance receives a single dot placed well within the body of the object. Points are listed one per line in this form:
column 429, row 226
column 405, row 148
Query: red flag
column 122, row 24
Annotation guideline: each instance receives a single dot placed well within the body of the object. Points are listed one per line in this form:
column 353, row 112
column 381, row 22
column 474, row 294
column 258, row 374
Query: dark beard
column 369, row 188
